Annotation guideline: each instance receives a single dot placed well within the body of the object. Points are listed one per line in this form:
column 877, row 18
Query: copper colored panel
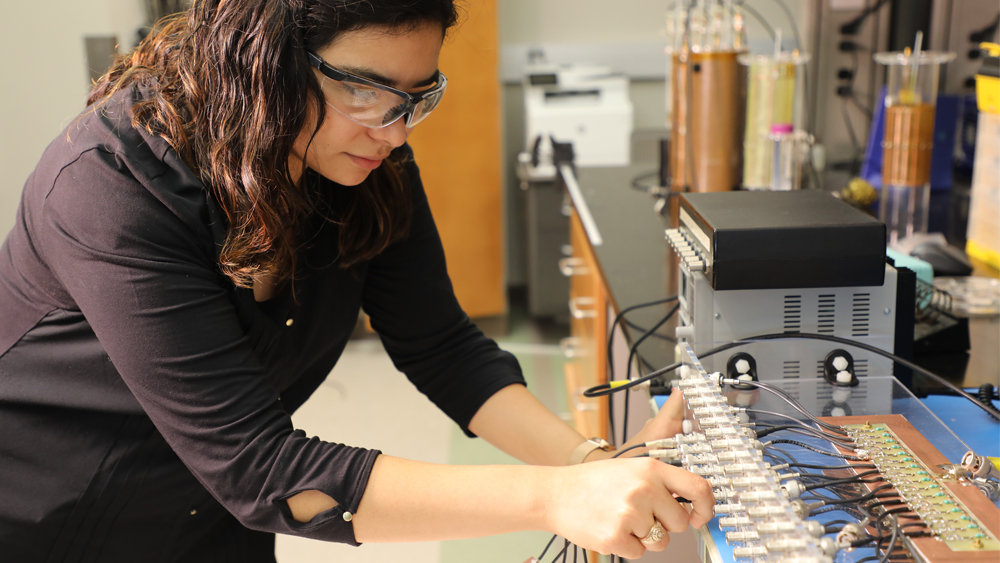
column 932, row 549
column 909, row 139
column 709, row 106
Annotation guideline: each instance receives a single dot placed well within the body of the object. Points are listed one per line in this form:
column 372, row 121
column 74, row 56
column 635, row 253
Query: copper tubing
column 906, row 150
column 717, row 106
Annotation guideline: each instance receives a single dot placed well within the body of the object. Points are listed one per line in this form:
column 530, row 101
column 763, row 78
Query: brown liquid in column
column 906, row 150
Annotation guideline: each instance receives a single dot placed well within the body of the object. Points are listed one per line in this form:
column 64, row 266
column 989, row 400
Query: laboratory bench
column 620, row 259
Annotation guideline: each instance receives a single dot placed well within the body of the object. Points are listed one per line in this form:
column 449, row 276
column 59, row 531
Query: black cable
column 635, row 347
column 605, row 388
column 852, row 27
column 862, row 498
column 864, row 109
column 892, row 540
column 618, row 318
column 862, row 542
column 563, row 550
column 661, row 191
column 611, row 420
column 631, row 324
column 611, row 354
column 838, row 508
column 895, row 511
column 806, row 430
column 813, row 449
column 785, row 396
column 850, row 133
column 856, row 479
column 793, row 419
column 628, row 449
column 847, row 342
column 986, row 33
column 831, row 467
column 628, row 367
column 985, row 396
column 834, row 477
column 547, row 546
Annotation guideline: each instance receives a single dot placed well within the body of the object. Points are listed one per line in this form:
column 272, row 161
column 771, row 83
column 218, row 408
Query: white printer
column 586, row 105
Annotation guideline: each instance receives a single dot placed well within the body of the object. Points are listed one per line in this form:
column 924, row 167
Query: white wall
column 44, row 79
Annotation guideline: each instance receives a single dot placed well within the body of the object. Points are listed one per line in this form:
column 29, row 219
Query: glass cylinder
column 770, row 103
column 706, row 95
column 910, row 100
column 788, row 153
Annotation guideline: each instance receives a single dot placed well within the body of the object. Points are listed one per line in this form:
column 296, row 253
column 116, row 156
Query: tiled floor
column 366, row 402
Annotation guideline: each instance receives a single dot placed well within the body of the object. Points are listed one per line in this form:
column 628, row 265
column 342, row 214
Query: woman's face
column 343, row 151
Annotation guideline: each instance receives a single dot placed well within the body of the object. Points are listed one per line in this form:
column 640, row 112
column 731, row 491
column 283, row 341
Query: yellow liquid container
column 910, row 95
column 983, row 236
column 770, row 104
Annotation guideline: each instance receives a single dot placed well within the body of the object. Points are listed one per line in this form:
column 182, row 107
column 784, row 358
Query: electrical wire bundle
column 875, row 512
column 880, row 518
column 563, row 553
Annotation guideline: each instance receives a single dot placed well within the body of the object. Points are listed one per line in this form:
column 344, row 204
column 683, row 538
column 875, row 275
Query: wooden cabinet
column 586, row 347
column 458, row 151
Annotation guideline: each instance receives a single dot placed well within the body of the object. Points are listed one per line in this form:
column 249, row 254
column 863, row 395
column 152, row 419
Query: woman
column 187, row 265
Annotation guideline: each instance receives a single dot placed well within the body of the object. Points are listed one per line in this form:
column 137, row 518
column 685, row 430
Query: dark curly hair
column 227, row 84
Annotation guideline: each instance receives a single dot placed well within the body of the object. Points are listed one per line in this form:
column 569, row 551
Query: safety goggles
column 375, row 105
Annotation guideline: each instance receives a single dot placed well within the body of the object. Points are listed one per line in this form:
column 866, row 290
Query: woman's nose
column 394, row 135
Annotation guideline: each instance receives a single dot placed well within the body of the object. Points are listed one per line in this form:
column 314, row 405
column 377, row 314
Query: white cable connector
column 733, row 521
column 731, row 508
column 741, row 536
column 780, row 527
column 787, row 545
column 794, row 489
column 749, row 552
column 664, row 453
column 662, row 443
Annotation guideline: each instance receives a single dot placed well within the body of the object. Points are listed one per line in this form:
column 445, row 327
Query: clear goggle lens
column 374, row 107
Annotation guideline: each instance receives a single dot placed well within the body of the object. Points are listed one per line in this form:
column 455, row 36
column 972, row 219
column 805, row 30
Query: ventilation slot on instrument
column 821, row 369
column 793, row 314
column 861, row 314
column 827, row 314
column 791, row 369
column 860, row 367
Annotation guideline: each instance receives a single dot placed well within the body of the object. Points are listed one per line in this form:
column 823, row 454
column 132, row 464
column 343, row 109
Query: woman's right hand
column 608, row 506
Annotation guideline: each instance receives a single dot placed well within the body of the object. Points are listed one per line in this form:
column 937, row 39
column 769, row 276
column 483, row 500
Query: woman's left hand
column 666, row 424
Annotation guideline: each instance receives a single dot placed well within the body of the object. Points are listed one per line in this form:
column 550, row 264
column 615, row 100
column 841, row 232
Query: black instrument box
column 780, row 240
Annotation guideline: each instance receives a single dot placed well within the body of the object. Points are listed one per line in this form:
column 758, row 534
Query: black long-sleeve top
column 111, row 300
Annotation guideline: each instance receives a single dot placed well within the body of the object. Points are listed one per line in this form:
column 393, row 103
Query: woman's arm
column 602, row 506
column 518, row 424
column 515, row 421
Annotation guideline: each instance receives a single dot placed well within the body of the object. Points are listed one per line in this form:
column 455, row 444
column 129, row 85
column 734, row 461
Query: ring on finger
column 655, row 534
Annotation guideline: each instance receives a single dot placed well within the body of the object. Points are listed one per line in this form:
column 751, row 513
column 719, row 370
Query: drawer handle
column 571, row 347
column 572, row 266
column 577, row 312
column 582, row 404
